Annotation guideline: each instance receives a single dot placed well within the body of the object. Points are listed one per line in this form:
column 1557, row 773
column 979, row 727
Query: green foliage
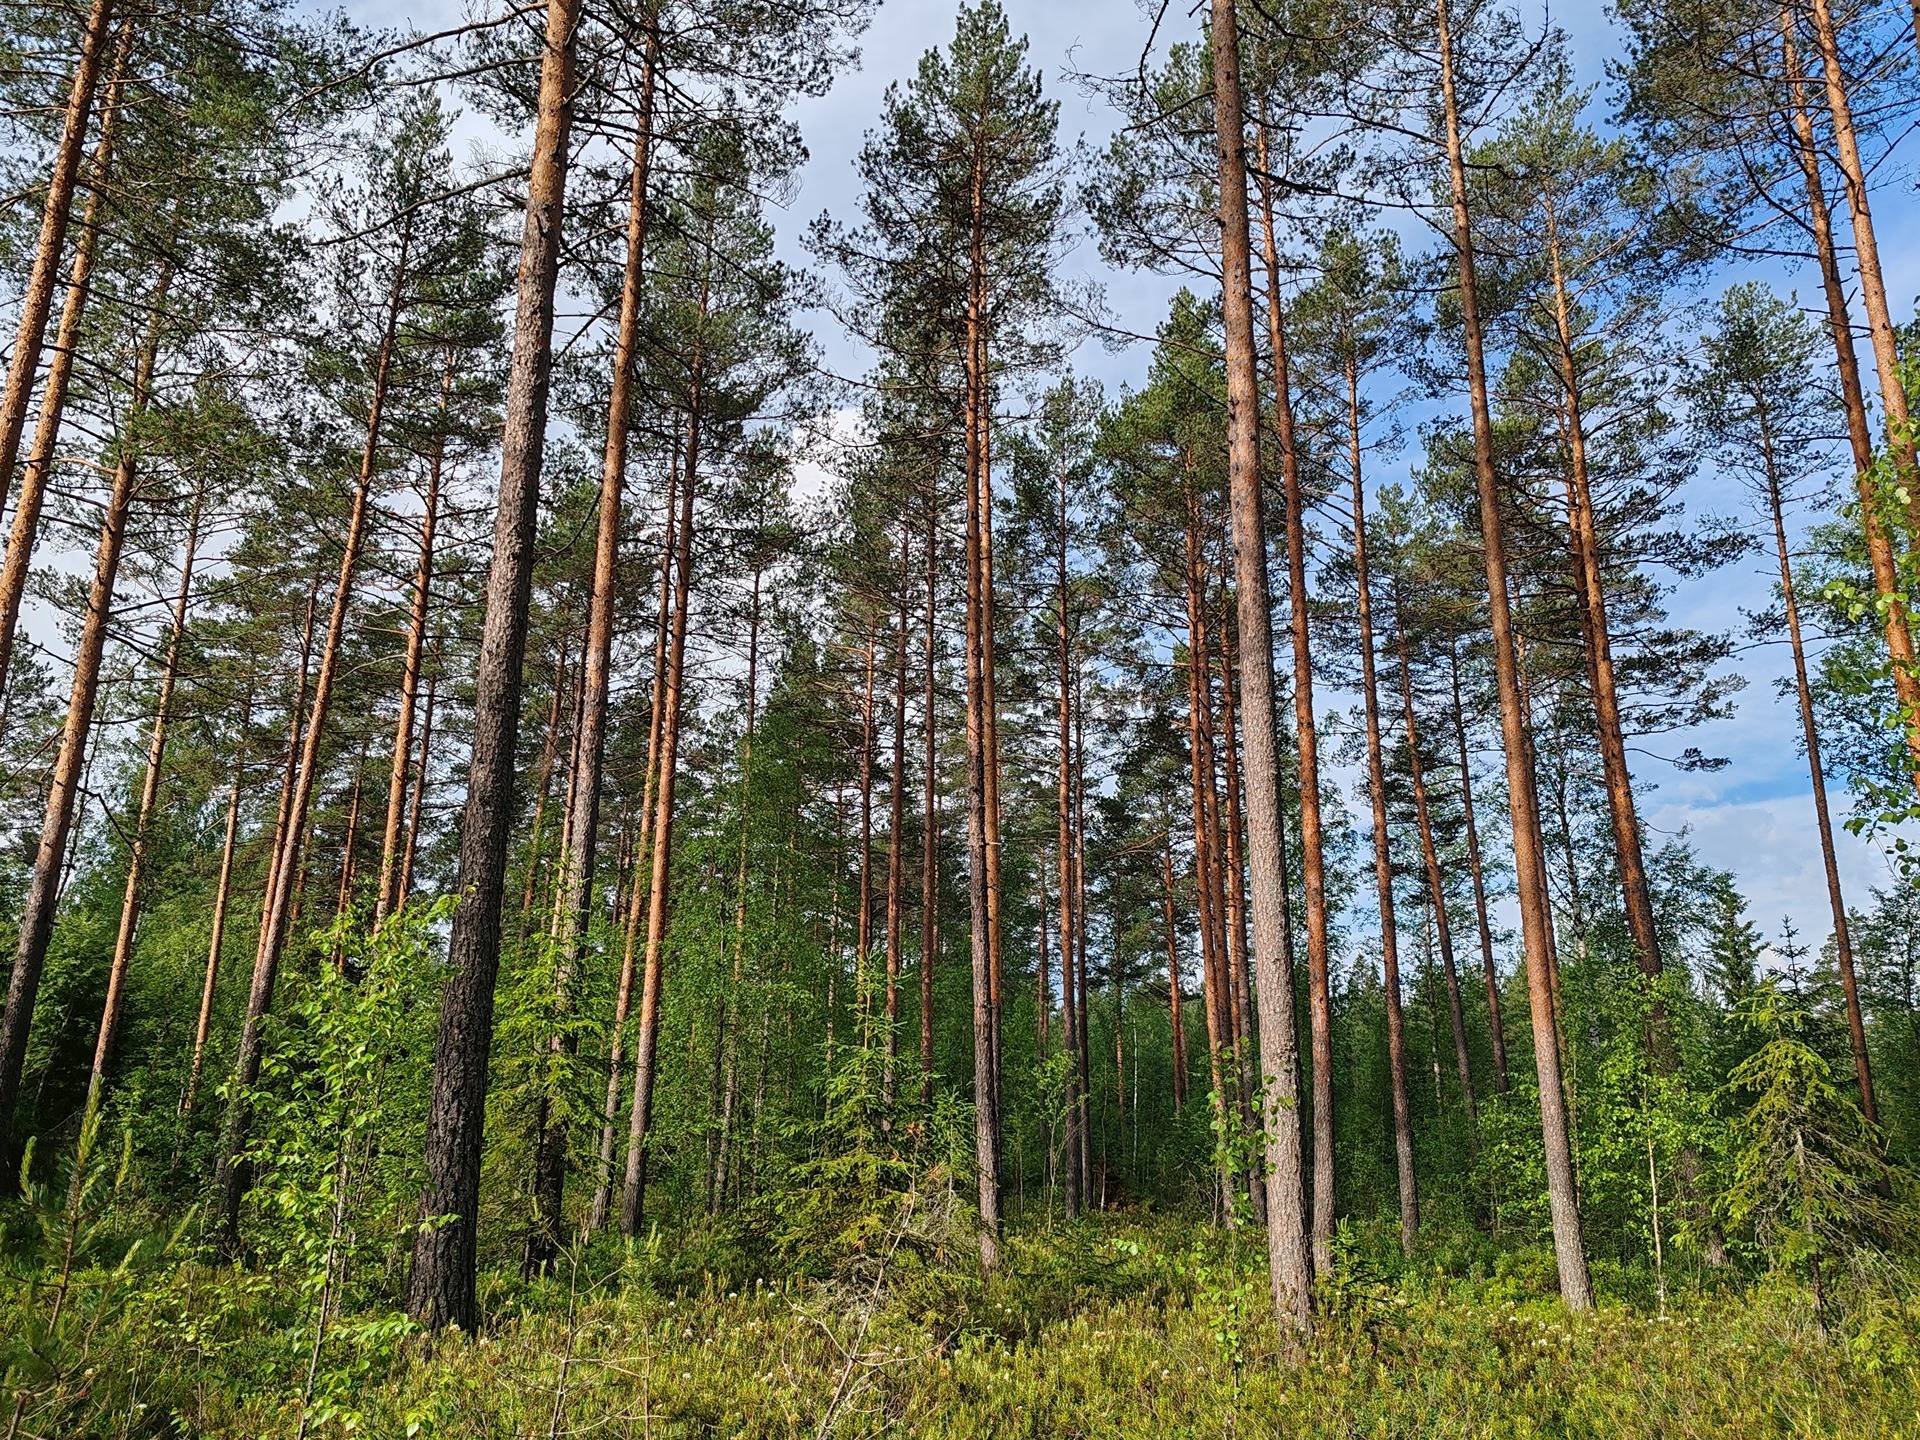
column 1103, row 1329
column 1807, row 1177
column 880, row 1182
column 76, row 1265
column 341, row 1104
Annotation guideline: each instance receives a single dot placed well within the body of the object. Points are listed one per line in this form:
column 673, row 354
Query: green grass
column 1115, row 1329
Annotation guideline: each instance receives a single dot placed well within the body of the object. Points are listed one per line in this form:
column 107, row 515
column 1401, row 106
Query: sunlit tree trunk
column 296, row 723
column 543, row 790
column 863, row 919
column 1289, row 1257
column 575, row 910
column 36, row 303
column 642, row 854
column 1087, row 1196
column 982, row 791
column 349, row 840
column 1175, row 1018
column 723, row 1171
column 1063, row 841
column 1609, row 729
column 1866, row 250
column 63, row 790
column 1200, row 768
column 929, row 815
column 222, row 890
column 409, row 852
column 1810, row 734
column 1892, row 604
column 896, row 824
column 660, row 860
column 1535, row 919
column 1238, row 962
column 1436, row 880
column 389, row 897
column 1312, row 845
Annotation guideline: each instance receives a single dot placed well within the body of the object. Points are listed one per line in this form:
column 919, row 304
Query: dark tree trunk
column 441, row 1288
column 1382, row 843
column 115, row 1002
column 1489, row 971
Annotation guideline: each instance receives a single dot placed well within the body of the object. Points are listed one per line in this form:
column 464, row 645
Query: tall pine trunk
column 863, row 920
column 896, row 823
column 575, row 910
column 1892, row 603
column 63, row 790
column 1476, row 870
column 409, row 852
column 1289, row 1258
column 1609, row 730
column 982, row 825
column 1174, row 1017
column 1205, row 889
column 1312, row 846
column 222, row 890
column 929, row 794
column 1063, row 838
column 34, row 306
column 440, row 1290
column 723, row 1170
column 1240, row 970
column 1436, row 879
column 660, row 860
column 642, row 854
column 115, row 1002
column 1866, row 250
column 1382, row 843
column 1810, row 734
column 1529, row 875
column 388, row 897
column 281, row 901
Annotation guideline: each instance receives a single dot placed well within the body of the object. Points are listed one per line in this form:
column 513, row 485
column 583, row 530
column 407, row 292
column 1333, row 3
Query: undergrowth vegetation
column 1132, row 1325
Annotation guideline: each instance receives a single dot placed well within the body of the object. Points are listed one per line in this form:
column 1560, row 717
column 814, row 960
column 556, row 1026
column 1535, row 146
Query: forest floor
column 1104, row 1329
